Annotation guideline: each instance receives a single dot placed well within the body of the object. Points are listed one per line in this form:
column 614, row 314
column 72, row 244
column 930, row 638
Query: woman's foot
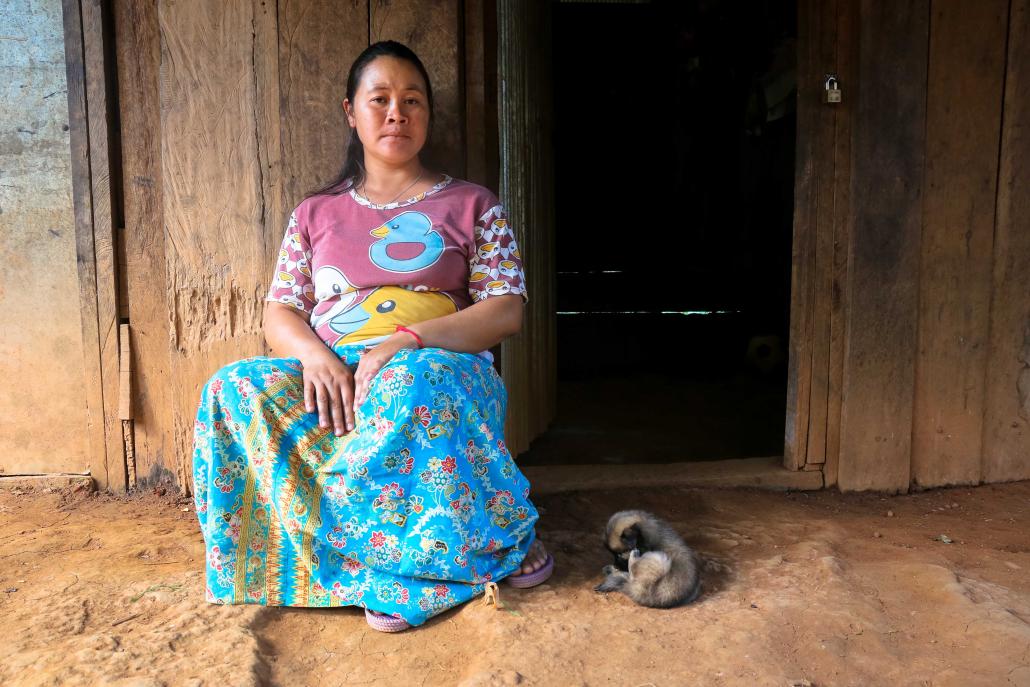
column 536, row 568
column 535, row 558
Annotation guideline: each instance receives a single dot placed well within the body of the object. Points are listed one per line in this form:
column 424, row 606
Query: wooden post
column 808, row 374
column 528, row 359
column 90, row 125
column 138, row 48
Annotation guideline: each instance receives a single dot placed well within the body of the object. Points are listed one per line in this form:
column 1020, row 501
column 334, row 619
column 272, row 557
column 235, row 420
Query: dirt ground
column 800, row 588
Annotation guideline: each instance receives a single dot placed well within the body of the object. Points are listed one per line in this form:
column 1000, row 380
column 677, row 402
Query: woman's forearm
column 289, row 334
column 477, row 328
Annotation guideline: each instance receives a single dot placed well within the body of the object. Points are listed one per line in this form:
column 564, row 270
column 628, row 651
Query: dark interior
column 674, row 170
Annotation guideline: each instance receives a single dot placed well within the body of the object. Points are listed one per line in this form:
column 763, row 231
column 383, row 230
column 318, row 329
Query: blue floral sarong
column 410, row 514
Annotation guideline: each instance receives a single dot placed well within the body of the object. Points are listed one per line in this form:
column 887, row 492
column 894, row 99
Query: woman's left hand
column 374, row 359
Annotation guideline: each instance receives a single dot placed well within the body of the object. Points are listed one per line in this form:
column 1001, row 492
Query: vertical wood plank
column 90, row 123
column 138, row 45
column 124, row 374
column 847, row 24
column 269, row 105
column 101, row 129
column 544, row 349
column 432, row 28
column 1007, row 418
column 546, row 366
column 217, row 266
column 528, row 359
column 82, row 199
column 824, row 39
column 889, row 132
column 963, row 122
column 511, row 25
column 476, row 156
column 802, row 281
column 318, row 41
column 815, row 350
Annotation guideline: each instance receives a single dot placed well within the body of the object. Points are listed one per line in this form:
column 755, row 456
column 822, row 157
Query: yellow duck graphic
column 384, row 309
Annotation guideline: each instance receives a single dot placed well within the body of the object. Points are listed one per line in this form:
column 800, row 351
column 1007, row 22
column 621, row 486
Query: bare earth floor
column 800, row 588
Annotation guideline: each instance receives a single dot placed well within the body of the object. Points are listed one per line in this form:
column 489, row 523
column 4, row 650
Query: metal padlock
column 832, row 89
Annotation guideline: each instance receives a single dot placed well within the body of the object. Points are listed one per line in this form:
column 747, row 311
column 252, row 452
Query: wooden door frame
column 826, row 42
column 529, row 359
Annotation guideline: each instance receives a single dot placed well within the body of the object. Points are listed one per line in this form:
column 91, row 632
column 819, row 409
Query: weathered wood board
column 432, row 29
column 138, row 52
column 963, row 121
column 1006, row 447
column 215, row 245
column 883, row 291
column 812, row 252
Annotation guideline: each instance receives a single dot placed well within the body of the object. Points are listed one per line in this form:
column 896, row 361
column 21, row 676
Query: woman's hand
column 374, row 359
column 329, row 389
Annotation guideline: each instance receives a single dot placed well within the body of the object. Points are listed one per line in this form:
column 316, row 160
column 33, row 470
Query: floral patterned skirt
column 409, row 514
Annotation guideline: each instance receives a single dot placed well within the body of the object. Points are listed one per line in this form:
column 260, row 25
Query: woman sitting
column 367, row 465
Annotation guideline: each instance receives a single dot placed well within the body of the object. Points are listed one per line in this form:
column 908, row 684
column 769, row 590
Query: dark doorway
column 674, row 172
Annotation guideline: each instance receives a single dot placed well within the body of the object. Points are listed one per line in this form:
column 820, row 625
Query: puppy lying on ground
column 653, row 566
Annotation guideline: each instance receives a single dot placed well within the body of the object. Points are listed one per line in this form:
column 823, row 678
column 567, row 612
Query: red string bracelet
column 418, row 339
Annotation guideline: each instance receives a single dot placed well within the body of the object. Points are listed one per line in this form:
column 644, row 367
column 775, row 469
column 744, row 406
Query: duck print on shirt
column 407, row 231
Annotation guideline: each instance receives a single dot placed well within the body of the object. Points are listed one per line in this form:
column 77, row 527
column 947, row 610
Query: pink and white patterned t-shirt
column 361, row 269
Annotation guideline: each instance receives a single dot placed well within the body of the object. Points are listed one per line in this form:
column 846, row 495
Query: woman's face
column 390, row 111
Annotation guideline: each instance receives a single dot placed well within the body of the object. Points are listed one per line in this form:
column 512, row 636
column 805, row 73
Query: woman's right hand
column 329, row 390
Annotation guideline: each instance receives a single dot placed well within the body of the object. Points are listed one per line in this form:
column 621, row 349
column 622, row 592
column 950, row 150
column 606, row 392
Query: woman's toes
column 535, row 559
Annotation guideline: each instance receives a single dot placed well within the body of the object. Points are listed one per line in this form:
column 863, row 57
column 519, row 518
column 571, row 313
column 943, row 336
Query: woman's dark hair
column 354, row 157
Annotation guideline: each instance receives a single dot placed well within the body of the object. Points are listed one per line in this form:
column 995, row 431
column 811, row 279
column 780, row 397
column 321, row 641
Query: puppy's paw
column 614, row 580
column 608, row 570
column 634, row 555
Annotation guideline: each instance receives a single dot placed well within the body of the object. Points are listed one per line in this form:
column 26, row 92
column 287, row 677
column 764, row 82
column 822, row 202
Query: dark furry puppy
column 653, row 566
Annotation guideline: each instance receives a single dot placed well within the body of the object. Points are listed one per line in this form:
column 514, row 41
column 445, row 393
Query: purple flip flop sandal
column 532, row 579
column 385, row 623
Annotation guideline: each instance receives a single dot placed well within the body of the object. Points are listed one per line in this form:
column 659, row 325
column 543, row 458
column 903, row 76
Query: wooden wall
column 910, row 360
column 230, row 113
column 924, row 194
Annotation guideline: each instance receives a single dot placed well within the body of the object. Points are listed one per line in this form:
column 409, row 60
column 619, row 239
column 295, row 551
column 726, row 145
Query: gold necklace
column 364, row 190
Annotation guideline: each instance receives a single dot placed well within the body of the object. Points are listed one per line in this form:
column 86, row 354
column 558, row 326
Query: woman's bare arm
column 288, row 331
column 477, row 328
